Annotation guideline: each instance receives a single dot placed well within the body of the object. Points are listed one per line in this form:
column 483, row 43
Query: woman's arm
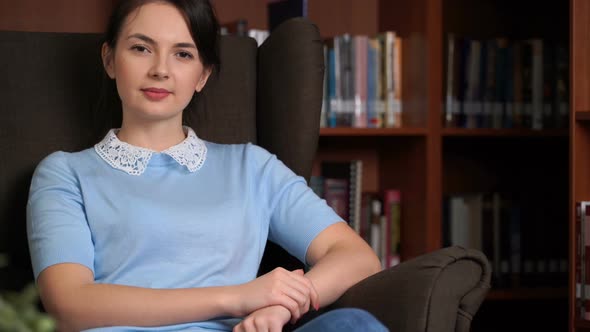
column 339, row 259
column 69, row 294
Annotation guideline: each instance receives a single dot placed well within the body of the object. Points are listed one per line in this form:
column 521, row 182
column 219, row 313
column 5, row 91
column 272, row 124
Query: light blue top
column 166, row 224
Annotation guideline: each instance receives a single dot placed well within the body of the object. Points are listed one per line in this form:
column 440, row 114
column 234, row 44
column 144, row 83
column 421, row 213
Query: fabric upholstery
column 290, row 90
column 439, row 291
column 225, row 111
column 50, row 83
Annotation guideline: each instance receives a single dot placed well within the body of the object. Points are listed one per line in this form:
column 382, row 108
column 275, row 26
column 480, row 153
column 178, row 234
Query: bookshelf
column 580, row 137
column 427, row 161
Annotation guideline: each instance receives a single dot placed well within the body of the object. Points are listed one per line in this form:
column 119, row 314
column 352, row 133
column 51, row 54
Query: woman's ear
column 204, row 77
column 108, row 60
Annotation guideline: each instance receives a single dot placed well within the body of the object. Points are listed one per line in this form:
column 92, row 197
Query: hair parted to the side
column 203, row 26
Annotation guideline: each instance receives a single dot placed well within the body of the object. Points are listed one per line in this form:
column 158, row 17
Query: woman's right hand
column 290, row 289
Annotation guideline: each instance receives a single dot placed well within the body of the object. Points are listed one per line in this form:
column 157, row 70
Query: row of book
column 512, row 232
column 362, row 85
column 501, row 83
column 376, row 217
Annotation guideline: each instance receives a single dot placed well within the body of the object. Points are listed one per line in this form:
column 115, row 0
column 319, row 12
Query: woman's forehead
column 162, row 22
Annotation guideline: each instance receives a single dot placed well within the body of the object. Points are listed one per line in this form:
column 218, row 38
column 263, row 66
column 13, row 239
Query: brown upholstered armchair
column 269, row 95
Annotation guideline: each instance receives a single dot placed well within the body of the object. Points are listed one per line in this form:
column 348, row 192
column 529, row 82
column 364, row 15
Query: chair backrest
column 269, row 95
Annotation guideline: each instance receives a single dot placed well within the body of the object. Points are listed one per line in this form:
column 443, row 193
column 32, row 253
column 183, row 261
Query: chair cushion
column 225, row 111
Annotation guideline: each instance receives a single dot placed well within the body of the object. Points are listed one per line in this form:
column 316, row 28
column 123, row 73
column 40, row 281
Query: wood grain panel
column 254, row 11
column 581, row 55
column 55, row 15
column 335, row 17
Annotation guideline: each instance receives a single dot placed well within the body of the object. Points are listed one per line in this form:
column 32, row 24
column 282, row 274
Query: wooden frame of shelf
column 582, row 116
column 580, row 137
column 516, row 132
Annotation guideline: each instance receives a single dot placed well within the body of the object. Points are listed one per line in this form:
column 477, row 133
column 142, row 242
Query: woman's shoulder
column 65, row 160
column 248, row 150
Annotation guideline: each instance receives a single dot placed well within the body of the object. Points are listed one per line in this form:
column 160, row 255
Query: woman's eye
column 185, row 55
column 139, row 48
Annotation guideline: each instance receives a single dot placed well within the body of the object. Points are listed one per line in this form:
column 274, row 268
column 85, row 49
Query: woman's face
column 155, row 64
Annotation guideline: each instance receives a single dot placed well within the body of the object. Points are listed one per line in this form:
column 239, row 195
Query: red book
column 392, row 211
column 336, row 195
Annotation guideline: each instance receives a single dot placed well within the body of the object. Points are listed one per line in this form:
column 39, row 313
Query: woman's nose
column 159, row 69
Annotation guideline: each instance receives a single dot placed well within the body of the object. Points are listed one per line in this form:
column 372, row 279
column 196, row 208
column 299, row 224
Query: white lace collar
column 131, row 159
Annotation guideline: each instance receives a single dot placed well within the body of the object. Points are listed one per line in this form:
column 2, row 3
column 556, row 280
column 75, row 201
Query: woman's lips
column 155, row 94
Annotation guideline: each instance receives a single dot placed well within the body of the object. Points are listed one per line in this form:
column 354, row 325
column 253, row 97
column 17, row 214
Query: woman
column 156, row 229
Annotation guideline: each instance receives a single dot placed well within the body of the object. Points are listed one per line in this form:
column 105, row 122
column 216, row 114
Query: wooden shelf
column 528, row 294
column 583, row 116
column 368, row 132
column 480, row 132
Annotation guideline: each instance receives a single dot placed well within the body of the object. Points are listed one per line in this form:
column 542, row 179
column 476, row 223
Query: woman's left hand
column 269, row 319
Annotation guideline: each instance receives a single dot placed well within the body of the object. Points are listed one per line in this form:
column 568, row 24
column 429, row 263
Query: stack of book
column 501, row 83
column 363, row 81
column 510, row 232
column 376, row 217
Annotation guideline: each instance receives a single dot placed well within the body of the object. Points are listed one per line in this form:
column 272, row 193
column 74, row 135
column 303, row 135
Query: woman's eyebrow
column 153, row 42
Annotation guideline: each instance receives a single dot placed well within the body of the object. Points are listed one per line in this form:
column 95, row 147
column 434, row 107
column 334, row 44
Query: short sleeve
column 297, row 214
column 56, row 222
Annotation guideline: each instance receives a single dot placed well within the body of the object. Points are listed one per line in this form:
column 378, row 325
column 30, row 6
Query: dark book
column 336, row 174
column 282, row 10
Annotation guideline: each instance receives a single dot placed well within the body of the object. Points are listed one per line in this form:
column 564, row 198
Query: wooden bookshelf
column 428, row 161
column 580, row 137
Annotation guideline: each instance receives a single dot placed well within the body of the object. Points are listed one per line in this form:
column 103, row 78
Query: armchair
column 269, row 95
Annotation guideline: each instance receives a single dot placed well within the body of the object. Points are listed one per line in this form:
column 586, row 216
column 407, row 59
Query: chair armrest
column 439, row 291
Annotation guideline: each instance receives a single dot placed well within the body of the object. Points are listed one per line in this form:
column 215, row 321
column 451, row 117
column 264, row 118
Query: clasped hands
column 274, row 299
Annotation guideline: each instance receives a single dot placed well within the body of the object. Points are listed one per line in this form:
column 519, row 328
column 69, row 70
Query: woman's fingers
column 292, row 306
column 290, row 289
column 306, row 287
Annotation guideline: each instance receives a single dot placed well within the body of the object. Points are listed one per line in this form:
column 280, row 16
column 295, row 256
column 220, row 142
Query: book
column 392, row 213
column 342, row 189
column 282, row 10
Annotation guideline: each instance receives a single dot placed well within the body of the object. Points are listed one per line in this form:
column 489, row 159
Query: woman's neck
column 157, row 137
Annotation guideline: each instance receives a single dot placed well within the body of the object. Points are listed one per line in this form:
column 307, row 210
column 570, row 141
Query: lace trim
column 190, row 153
column 133, row 160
